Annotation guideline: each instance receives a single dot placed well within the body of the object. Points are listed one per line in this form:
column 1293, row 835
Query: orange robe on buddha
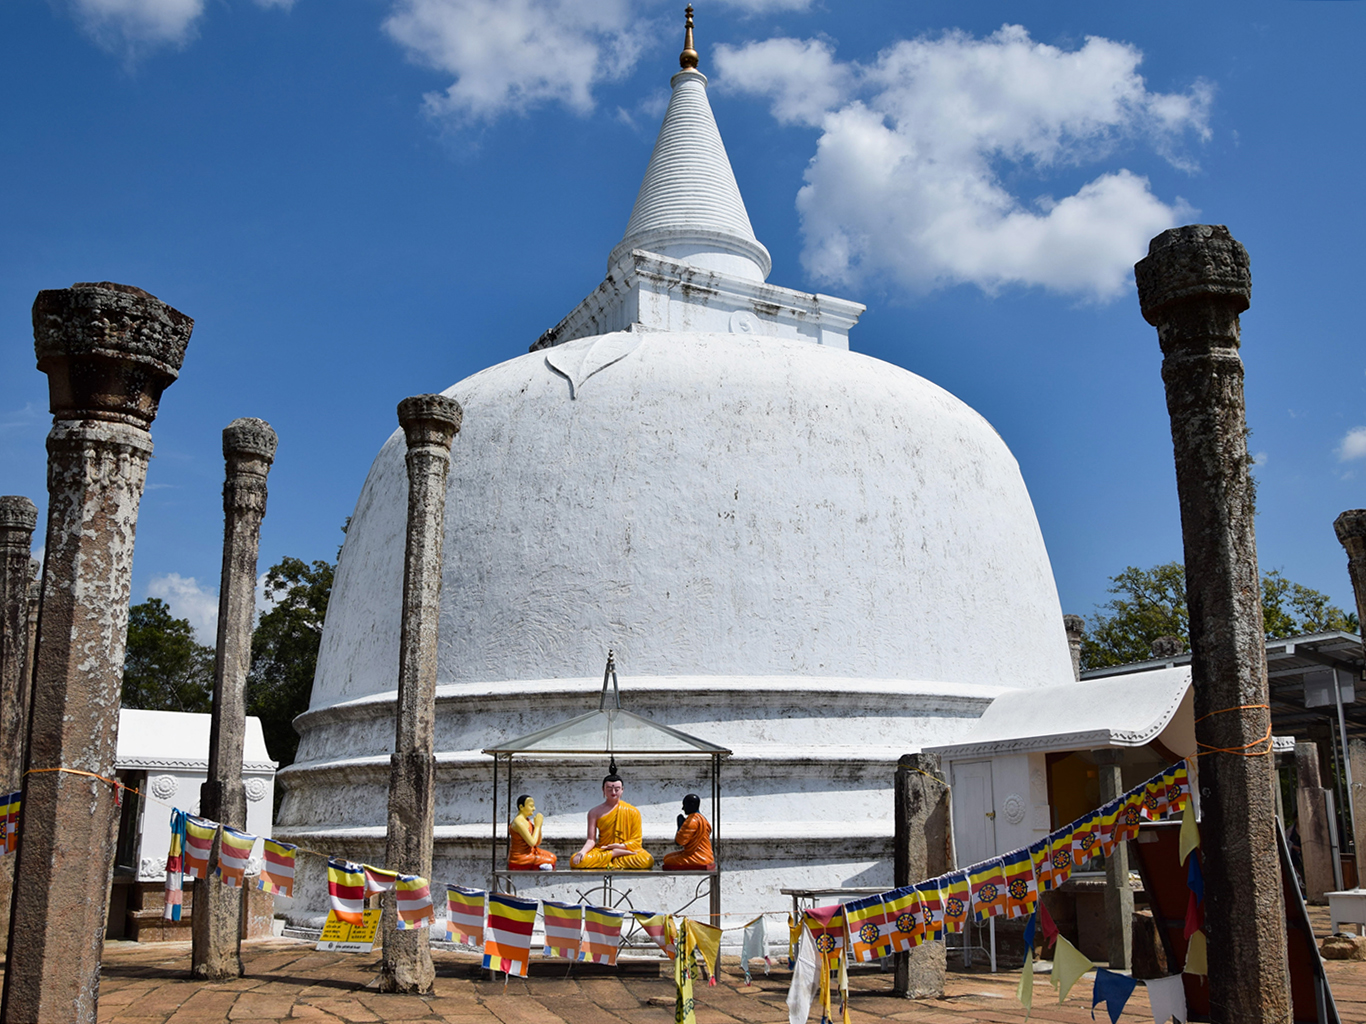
column 695, row 837
column 522, row 857
column 619, row 825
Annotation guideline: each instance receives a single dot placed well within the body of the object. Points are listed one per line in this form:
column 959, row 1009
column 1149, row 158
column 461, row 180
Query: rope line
column 1246, row 749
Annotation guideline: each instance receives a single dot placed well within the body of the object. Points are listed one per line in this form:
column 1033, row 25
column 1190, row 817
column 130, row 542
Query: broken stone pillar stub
column 1075, row 628
column 923, row 849
column 18, row 517
column 1119, row 896
column 248, row 451
column 430, row 423
column 1192, row 286
column 109, row 352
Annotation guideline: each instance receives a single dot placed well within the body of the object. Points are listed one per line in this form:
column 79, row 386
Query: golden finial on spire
column 688, row 58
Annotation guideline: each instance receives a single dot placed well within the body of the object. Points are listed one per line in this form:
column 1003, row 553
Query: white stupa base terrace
column 806, row 796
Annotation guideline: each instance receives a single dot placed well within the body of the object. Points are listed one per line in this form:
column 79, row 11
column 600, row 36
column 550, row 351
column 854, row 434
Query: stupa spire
column 688, row 58
column 689, row 207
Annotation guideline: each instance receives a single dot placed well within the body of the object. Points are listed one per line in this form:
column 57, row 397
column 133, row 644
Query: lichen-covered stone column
column 109, row 351
column 1119, row 896
column 1192, row 286
column 18, row 517
column 248, row 449
column 430, row 423
column 1075, row 628
column 923, row 849
column 1351, row 530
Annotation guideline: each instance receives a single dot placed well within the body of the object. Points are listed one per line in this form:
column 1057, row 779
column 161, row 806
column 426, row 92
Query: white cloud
column 766, row 6
column 131, row 27
column 909, row 182
column 1353, row 445
column 188, row 600
column 509, row 55
column 1260, row 458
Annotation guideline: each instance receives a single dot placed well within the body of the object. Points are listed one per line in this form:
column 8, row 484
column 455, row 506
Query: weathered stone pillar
column 1075, row 627
column 430, row 423
column 248, row 450
column 109, row 351
column 1192, row 286
column 18, row 517
column 1357, row 755
column 1316, row 841
column 1119, row 897
column 924, row 849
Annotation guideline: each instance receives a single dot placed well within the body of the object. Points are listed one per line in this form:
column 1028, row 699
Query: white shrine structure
column 816, row 559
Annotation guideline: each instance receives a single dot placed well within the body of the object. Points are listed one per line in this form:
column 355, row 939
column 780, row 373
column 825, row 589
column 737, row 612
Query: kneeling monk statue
column 524, row 839
column 614, row 835
column 694, row 835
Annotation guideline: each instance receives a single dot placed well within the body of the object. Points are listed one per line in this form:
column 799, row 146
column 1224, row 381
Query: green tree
column 284, row 650
column 1151, row 603
column 164, row 667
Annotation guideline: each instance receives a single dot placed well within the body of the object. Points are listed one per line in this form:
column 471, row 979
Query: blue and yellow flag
column 1085, row 838
column 988, row 886
column 931, row 901
column 1021, row 890
column 907, row 927
column 957, row 900
column 869, row 929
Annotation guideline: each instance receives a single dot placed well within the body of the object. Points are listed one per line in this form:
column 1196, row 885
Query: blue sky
column 359, row 201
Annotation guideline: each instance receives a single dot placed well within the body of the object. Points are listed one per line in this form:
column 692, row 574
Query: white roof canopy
column 1123, row 711
column 178, row 739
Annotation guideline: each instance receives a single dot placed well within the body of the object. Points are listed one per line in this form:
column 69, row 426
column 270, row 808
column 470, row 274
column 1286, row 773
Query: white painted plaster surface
column 710, row 504
column 689, row 206
column 172, row 747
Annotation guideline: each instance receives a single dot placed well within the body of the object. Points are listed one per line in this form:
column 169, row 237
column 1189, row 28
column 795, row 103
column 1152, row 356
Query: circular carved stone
column 164, row 787
column 1198, row 261
column 256, row 789
column 1014, row 808
column 17, row 513
column 744, row 322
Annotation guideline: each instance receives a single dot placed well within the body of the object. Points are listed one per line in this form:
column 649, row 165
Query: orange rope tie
column 77, row 771
column 1246, row 749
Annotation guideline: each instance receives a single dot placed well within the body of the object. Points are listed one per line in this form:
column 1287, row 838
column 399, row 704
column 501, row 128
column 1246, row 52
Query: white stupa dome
column 814, row 558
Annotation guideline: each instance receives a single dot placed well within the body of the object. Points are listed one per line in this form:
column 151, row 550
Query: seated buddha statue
column 614, row 834
column 694, row 835
column 524, row 839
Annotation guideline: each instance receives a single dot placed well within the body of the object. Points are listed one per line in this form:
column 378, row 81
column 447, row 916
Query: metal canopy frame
column 611, row 731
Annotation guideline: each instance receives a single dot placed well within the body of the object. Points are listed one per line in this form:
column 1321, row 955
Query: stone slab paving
column 289, row 981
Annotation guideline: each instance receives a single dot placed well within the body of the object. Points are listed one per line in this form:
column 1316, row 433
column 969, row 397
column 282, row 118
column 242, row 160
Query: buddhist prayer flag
column 1041, row 860
column 563, row 929
column 957, row 900
column 685, row 969
column 1021, row 891
column 1197, row 955
column 199, row 837
column 659, row 927
column 378, row 879
column 706, row 940
column 1060, row 856
column 931, row 901
column 1155, row 798
column 1177, row 781
column 507, row 938
column 1167, row 999
column 1085, row 839
column 346, row 888
column 870, row 929
column 1069, row 966
column 413, row 901
column 826, row 925
column 1189, row 839
column 277, row 867
column 12, row 805
column 755, row 946
column 988, row 886
column 1113, row 990
column 465, row 915
column 601, row 935
column 175, row 867
column 1025, row 991
column 1130, row 816
column 905, row 926
column 233, row 853
column 1109, row 821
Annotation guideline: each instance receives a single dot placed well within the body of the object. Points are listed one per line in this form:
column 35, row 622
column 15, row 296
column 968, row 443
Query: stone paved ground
column 288, row 981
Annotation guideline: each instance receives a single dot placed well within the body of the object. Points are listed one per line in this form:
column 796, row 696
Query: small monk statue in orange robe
column 614, row 834
column 524, row 839
column 694, row 835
